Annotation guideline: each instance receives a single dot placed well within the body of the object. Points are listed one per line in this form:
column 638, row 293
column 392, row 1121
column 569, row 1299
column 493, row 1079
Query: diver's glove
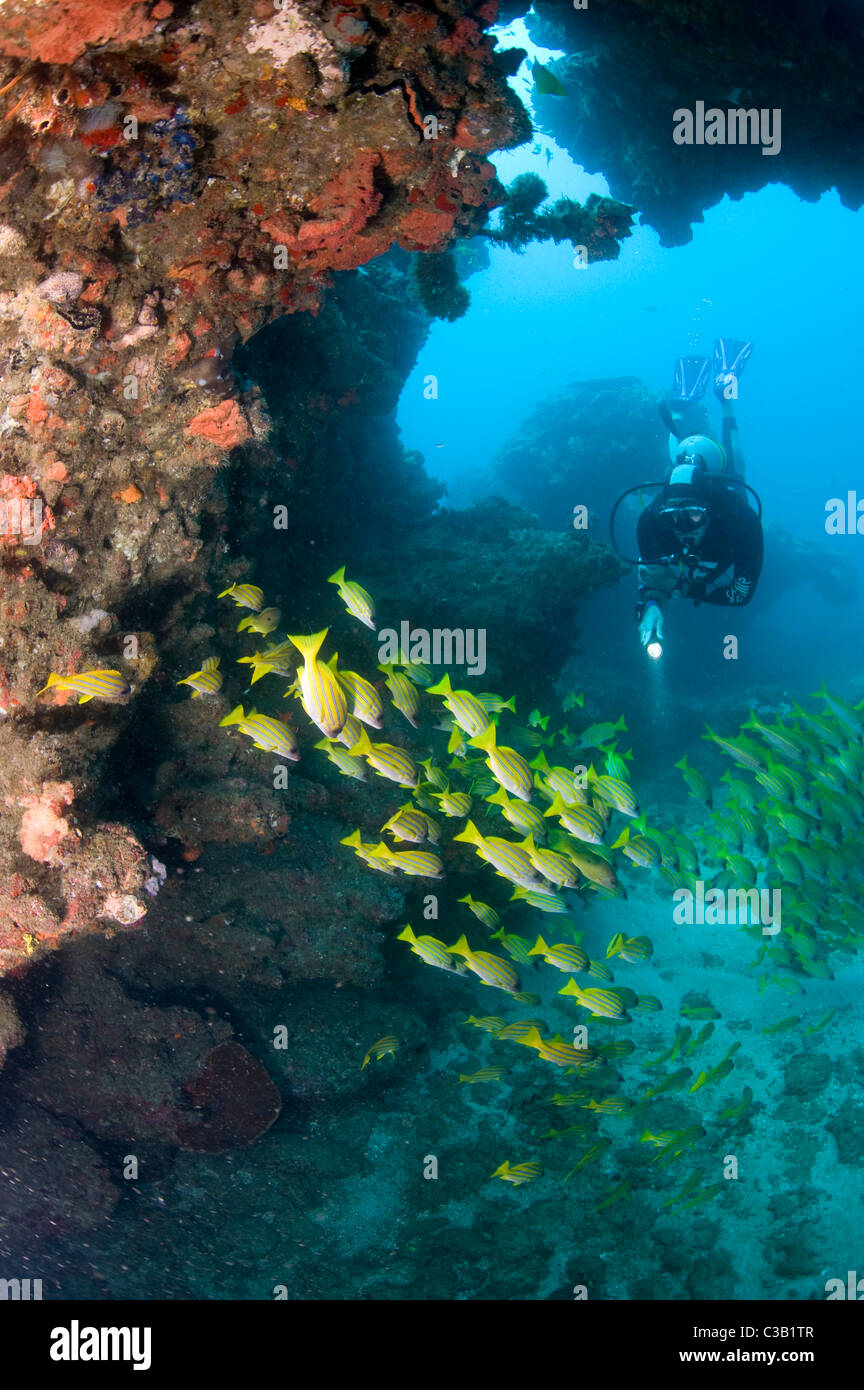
column 651, row 626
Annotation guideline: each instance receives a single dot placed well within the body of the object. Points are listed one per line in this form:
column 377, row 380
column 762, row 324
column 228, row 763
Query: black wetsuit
column 725, row 566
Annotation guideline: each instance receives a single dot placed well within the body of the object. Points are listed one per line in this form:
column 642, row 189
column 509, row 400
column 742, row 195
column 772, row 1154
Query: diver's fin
column 690, row 380
column 731, row 355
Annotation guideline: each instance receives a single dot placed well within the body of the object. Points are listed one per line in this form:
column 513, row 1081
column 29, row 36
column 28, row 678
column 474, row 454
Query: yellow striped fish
column 381, row 1048
column 514, row 1032
column 509, row 859
column 454, row 804
column 279, row 658
column 245, row 596
column 262, row 622
column 407, row 824
column 629, row 948
column 508, row 767
column 419, row 863
column 466, row 709
column 550, row 864
column 543, row 900
column 484, row 1074
column 492, row 970
column 387, row 760
column 609, row 1003
column 560, row 780
column 524, row 817
column 482, row 911
column 614, row 791
column 365, row 701
column 90, row 685
column 347, row 764
column 431, row 950
column 321, row 694
column 418, row 672
column 357, row 600
column 207, row 681
column 562, row 955
column 367, row 853
column 350, row 732
column 270, row 734
column 490, row 1023
column 517, row 1173
column 403, row 692
column 556, row 1050
column 582, row 821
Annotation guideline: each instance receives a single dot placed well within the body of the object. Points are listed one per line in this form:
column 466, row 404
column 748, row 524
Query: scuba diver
column 699, row 538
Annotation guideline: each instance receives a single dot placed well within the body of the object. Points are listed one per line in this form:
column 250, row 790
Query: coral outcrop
column 631, row 64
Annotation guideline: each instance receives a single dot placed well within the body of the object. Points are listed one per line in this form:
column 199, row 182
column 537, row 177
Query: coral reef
column 631, row 64
column 171, row 178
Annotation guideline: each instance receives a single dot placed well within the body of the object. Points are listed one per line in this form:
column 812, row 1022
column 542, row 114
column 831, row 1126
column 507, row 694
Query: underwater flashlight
column 654, row 650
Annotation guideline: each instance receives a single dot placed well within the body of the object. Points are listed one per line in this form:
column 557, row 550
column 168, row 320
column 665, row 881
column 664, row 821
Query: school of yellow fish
column 539, row 812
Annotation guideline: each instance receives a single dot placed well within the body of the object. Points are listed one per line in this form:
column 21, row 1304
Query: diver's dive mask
column 685, row 520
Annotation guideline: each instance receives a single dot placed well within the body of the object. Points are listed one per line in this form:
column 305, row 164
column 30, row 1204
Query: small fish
column 516, row 946
column 582, row 821
column 572, row 701
column 698, row 1011
column 418, row 863
column 359, row 603
column 518, row 1173
column 365, row 701
column 699, row 1042
column 553, row 866
column 430, row 950
column 690, row 1186
column 670, row 1083
column 348, row 765
column 509, row 859
column 245, row 596
column 556, row 1050
column 734, row 1111
column 629, row 948
column 543, row 900
column 638, row 849
column 595, row 869
column 482, row 911
column 207, row 681
column 407, row 824
column 492, row 970
column 262, row 622
column 490, row 1023
column 367, row 853
column 279, row 658
column 269, row 734
column 545, row 82
column 524, row 817
column 647, row 1004
column 696, row 782
column 493, row 704
column 619, row 1193
column 484, row 1074
column 515, row 1032
column 403, row 692
column 590, row 1156
column 709, row 1078
column 466, row 709
column 562, row 956
column 823, row 1023
column 598, row 734
column 609, row 1003
column 90, row 685
column 418, row 672
column 387, row 760
column 321, row 694
column 380, row 1049
column 454, row 804
column 616, row 792
column 507, row 766
column 568, row 1098
column 745, row 752
column 781, row 1026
